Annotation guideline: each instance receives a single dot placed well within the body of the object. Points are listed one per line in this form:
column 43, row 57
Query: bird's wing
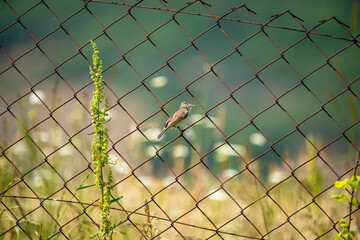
column 178, row 116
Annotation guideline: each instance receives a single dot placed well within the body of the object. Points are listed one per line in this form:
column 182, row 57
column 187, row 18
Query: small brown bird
column 178, row 117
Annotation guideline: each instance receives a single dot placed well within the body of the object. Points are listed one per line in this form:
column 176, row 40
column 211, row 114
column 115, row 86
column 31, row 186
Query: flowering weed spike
column 99, row 146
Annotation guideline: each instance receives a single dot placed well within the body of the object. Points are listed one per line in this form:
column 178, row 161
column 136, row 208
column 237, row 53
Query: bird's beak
column 192, row 105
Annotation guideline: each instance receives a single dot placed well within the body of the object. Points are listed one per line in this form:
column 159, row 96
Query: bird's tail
column 162, row 132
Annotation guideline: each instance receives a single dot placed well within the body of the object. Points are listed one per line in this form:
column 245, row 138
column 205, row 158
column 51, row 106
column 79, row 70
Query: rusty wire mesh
column 206, row 182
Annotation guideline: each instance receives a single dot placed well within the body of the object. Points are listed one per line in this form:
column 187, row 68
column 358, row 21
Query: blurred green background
column 67, row 50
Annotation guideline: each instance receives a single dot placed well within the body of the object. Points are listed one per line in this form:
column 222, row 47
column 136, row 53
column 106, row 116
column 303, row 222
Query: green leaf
column 338, row 236
column 342, row 184
column 108, row 230
column 83, row 187
column 339, row 197
column 343, row 224
column 115, row 199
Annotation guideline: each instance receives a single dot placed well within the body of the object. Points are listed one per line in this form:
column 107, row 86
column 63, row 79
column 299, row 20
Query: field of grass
column 226, row 194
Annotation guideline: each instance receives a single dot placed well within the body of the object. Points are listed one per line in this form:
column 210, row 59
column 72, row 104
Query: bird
column 177, row 118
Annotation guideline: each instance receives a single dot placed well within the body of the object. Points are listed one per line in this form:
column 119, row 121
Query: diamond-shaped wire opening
column 192, row 179
column 34, row 223
column 140, row 104
column 65, row 46
column 149, row 22
column 346, row 69
column 107, row 16
column 13, row 47
column 151, row 59
column 244, row 188
column 332, row 27
column 232, row 27
column 52, row 91
column 83, row 226
column 37, row 14
column 134, row 189
column 189, row 64
column 174, row 42
column 340, row 153
column 299, row 110
column 265, row 214
column 210, row 89
column 233, row 70
column 309, row 225
column 76, row 119
column 134, row 37
column 284, row 231
column 164, row 83
column 186, row 22
column 64, row 157
column 254, row 97
column 8, row 16
column 274, row 118
column 15, row 83
column 280, row 77
column 44, row 180
column 312, row 125
column 283, row 39
column 25, row 149
column 306, row 60
column 219, row 207
column 151, row 221
column 75, row 71
column 208, row 43
column 335, row 85
column 254, row 47
column 282, row 193
column 343, row 109
column 175, row 201
column 34, row 72
column 83, row 18
column 314, row 179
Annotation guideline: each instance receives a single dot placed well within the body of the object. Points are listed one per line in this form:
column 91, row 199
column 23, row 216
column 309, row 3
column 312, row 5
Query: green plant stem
column 353, row 192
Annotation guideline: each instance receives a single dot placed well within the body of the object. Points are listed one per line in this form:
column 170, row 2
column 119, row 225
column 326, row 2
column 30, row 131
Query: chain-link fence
column 274, row 126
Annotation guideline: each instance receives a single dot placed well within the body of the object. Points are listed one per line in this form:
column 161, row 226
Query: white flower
column 276, row 176
column 121, row 168
column 66, row 151
column 189, row 133
column 159, row 81
column 169, row 180
column 34, row 100
column 205, row 122
column 152, row 133
column 206, row 67
column 42, row 136
column 228, row 173
column 180, row 151
column 257, row 139
column 218, row 196
column 150, row 150
column 19, row 148
column 148, row 181
column 225, row 151
column 195, row 117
